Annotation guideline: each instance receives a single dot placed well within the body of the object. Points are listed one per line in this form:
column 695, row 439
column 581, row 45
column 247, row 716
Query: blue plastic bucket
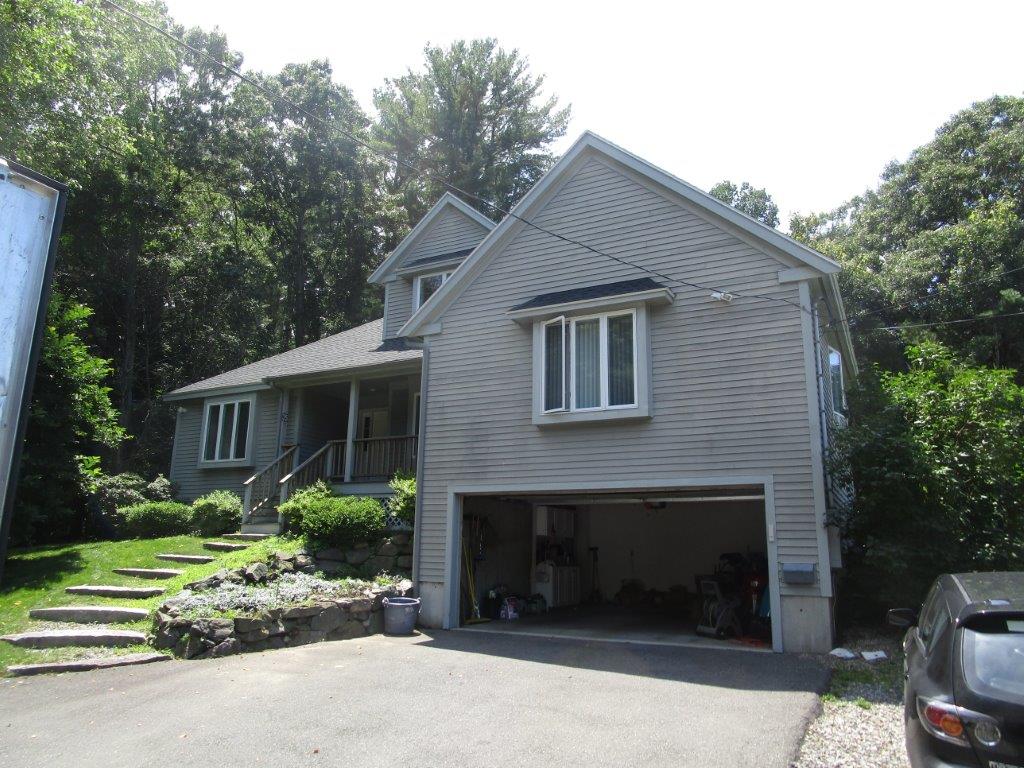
column 400, row 615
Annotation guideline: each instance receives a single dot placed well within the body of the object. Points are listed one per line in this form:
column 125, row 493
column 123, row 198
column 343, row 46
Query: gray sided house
column 601, row 395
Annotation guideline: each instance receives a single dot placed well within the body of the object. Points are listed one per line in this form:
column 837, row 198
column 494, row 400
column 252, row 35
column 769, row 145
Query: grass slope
column 36, row 578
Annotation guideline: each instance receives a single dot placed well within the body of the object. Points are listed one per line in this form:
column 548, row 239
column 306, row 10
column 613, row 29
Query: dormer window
column 425, row 286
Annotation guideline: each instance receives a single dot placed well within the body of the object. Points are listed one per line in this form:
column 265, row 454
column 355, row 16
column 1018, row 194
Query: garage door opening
column 672, row 568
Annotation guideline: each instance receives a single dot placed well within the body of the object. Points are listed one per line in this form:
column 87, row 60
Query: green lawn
column 36, row 578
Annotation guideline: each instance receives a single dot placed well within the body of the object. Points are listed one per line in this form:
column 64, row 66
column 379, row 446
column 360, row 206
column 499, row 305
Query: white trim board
column 447, row 200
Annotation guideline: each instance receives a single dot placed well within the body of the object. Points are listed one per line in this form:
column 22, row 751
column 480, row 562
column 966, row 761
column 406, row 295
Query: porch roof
column 357, row 348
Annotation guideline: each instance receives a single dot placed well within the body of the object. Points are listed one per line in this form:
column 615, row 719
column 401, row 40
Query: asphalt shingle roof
column 358, row 347
column 590, row 292
column 440, row 257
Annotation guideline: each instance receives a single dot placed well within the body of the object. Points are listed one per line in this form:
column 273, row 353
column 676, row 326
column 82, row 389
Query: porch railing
column 379, row 458
column 326, row 464
column 261, row 489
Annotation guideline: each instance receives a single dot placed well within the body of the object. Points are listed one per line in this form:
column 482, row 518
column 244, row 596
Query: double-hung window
column 426, row 286
column 590, row 363
column 227, row 430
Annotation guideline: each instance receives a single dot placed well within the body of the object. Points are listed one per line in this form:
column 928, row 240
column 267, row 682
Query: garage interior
column 668, row 568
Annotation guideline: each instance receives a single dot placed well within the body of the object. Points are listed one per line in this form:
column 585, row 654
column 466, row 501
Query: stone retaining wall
column 329, row 618
column 326, row 619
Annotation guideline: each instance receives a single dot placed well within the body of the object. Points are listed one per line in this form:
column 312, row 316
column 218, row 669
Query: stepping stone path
column 110, row 591
column 89, row 614
column 149, row 573
column 104, row 637
column 64, row 638
column 84, row 665
column 186, row 558
column 224, row 546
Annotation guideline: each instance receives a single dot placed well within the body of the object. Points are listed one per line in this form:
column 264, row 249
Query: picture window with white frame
column 227, row 429
column 590, row 363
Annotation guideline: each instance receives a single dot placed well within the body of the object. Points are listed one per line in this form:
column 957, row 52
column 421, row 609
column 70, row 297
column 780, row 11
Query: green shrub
column 341, row 521
column 402, row 504
column 217, row 512
column 159, row 489
column 155, row 518
column 291, row 511
column 116, row 491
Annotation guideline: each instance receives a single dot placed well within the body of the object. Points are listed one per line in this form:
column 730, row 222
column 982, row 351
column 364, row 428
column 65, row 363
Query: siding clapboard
column 191, row 480
column 451, row 232
column 729, row 388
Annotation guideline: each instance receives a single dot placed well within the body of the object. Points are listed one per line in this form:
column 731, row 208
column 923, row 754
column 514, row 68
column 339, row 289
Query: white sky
column 807, row 99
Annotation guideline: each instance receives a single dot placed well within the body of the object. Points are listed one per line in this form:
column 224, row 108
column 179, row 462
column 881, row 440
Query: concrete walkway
column 443, row 699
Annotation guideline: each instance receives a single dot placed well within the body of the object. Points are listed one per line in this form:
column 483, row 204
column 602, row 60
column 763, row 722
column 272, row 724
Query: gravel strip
column 861, row 721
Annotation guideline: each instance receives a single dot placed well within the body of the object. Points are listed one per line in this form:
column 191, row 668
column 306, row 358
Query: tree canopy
column 473, row 116
column 756, row 203
column 940, row 239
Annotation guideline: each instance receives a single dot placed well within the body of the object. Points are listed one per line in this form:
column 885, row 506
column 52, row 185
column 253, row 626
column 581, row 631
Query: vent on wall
column 799, row 573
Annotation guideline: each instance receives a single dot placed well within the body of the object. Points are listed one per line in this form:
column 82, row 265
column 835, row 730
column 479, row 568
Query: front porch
column 353, row 434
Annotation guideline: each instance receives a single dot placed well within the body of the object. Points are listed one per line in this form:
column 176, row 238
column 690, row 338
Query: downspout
column 421, row 450
column 819, row 375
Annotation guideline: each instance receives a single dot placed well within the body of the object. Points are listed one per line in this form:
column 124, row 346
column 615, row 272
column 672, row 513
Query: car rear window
column 993, row 655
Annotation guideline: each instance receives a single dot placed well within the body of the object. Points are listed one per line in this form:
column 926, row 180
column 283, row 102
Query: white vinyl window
column 425, row 286
column 835, row 364
column 227, row 429
column 595, row 368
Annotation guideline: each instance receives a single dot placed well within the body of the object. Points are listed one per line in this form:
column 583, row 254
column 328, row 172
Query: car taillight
column 941, row 720
column 950, row 723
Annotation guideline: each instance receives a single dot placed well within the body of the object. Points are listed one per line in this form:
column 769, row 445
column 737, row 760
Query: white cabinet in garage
column 557, row 522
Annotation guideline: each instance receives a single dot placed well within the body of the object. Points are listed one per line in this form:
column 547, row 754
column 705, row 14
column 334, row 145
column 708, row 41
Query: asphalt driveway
column 443, row 699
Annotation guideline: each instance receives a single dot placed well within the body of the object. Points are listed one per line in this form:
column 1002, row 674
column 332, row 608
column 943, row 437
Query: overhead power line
column 975, row 319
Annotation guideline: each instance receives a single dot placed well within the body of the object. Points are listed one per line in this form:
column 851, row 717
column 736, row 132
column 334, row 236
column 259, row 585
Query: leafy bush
column 341, row 521
column 402, row 504
column 217, row 512
column 291, row 511
column 159, row 489
column 155, row 518
column 934, row 455
column 116, row 491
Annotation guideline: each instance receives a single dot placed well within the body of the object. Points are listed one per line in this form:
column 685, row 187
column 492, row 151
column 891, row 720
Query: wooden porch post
column 353, row 417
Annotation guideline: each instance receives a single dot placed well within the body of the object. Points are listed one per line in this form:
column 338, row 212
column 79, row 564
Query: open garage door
column 670, row 567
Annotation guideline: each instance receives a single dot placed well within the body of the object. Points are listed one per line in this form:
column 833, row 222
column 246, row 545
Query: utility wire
column 975, row 319
column 398, row 161
column 926, row 297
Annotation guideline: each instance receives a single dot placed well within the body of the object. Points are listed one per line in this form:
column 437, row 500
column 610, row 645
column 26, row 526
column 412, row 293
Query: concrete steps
column 89, row 614
column 149, row 573
column 67, row 638
column 112, row 591
column 223, row 546
column 246, row 536
column 84, row 665
column 192, row 559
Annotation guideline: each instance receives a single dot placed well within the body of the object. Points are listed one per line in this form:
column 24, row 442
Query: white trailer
column 31, row 210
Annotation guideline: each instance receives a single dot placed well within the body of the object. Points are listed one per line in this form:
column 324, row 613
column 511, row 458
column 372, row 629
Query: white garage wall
column 663, row 547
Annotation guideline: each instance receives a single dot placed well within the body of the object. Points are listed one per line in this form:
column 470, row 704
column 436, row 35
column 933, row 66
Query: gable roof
column 432, row 310
column 448, row 200
column 356, row 348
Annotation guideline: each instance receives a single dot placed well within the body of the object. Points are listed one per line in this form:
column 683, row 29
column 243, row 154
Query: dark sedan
column 964, row 670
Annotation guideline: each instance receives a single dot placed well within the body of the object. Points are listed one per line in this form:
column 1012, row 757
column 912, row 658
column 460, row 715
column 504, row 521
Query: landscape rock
column 357, row 556
column 256, row 573
column 388, row 548
column 404, row 562
column 332, row 553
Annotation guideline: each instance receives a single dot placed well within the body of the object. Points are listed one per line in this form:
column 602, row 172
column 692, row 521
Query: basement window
column 227, row 430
